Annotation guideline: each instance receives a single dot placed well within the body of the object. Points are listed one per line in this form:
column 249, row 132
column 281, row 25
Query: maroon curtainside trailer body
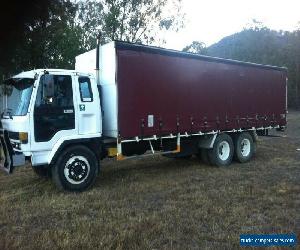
column 178, row 92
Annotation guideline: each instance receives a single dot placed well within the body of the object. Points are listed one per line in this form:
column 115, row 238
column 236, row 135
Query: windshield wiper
column 7, row 111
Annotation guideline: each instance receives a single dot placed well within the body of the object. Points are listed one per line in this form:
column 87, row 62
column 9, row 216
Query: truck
column 126, row 100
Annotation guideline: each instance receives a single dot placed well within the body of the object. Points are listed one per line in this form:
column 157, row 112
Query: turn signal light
column 23, row 137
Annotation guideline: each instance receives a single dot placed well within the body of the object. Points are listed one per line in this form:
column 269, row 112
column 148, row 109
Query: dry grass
column 158, row 203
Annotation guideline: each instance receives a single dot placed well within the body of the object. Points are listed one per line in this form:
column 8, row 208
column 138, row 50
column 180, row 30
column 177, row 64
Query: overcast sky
column 210, row 20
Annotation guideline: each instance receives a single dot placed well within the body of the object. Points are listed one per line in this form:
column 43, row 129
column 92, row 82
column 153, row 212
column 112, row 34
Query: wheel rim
column 77, row 169
column 245, row 147
column 224, row 150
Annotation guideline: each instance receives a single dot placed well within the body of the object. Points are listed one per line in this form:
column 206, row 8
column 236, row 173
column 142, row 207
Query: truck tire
column 42, row 171
column 244, row 147
column 222, row 152
column 76, row 169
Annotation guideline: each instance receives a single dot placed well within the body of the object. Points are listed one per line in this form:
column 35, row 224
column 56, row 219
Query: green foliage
column 49, row 40
column 196, row 47
column 129, row 20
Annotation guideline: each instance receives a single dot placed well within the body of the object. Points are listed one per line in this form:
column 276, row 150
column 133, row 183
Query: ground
column 159, row 203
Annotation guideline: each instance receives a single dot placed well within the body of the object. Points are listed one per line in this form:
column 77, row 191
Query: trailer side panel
column 159, row 94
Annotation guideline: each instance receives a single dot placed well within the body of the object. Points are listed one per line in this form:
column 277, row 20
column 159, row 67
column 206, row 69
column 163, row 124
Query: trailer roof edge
column 171, row 52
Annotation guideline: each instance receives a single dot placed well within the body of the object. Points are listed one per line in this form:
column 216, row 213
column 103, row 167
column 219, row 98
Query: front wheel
column 76, row 169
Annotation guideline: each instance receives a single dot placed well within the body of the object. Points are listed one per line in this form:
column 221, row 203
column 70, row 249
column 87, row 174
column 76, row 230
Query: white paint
column 150, row 121
column 86, row 62
column 223, row 150
column 245, row 147
column 108, row 64
column 108, row 85
column 89, row 119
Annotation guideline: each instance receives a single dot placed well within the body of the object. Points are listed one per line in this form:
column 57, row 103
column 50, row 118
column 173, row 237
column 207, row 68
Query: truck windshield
column 18, row 92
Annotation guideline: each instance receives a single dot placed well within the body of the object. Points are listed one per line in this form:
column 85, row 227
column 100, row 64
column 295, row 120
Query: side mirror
column 48, row 86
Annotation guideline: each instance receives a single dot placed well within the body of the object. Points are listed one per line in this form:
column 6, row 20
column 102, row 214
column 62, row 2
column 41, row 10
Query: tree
column 47, row 37
column 54, row 42
column 196, row 47
column 129, row 20
column 293, row 65
column 15, row 18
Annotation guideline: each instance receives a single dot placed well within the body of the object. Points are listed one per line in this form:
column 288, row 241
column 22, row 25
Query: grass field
column 159, row 203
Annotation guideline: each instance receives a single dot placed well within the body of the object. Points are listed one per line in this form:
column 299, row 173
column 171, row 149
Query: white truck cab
column 48, row 109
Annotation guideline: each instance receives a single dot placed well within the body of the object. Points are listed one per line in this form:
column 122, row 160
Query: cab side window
column 86, row 93
column 63, row 94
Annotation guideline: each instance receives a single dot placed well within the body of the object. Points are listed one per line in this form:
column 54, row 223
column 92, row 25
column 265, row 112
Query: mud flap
column 6, row 152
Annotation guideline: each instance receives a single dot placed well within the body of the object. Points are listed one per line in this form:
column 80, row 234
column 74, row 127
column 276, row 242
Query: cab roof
column 32, row 73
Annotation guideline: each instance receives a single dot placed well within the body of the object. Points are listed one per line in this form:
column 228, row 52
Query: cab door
column 53, row 118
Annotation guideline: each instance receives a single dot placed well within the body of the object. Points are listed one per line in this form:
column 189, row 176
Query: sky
column 209, row 21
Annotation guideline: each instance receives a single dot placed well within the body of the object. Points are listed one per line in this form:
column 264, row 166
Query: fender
column 207, row 141
column 93, row 140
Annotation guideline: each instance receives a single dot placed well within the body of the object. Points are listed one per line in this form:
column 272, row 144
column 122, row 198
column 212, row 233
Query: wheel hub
column 245, row 147
column 224, row 150
column 76, row 169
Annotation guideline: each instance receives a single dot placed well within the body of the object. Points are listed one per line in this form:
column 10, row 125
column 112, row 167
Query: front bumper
column 8, row 157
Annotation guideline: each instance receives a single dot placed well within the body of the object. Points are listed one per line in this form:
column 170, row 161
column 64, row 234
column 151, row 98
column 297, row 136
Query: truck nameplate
column 68, row 111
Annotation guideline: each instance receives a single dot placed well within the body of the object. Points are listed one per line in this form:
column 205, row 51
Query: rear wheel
column 222, row 152
column 76, row 169
column 244, row 147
